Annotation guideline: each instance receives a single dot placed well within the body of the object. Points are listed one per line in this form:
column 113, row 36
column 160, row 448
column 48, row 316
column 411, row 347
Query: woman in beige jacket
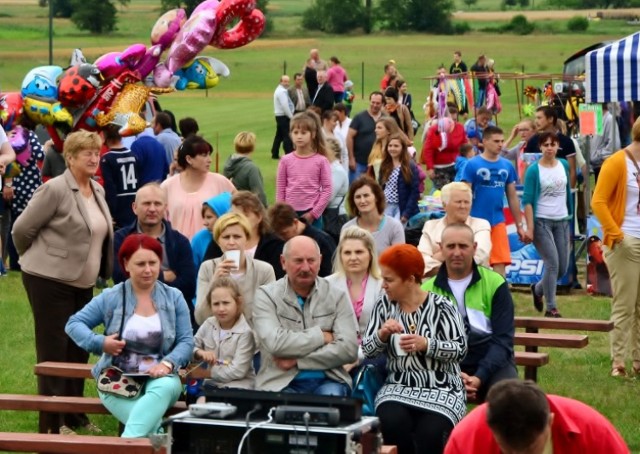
column 65, row 241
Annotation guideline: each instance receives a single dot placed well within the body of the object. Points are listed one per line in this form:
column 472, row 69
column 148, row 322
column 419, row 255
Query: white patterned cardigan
column 427, row 380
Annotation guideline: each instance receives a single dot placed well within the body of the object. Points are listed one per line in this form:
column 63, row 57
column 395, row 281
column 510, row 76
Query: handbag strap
column 633, row 159
column 124, row 293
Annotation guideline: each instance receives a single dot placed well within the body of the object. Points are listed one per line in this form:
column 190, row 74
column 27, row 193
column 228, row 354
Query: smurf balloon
column 41, row 83
column 202, row 73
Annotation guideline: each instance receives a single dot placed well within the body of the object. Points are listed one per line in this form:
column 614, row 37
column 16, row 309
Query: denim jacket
column 106, row 309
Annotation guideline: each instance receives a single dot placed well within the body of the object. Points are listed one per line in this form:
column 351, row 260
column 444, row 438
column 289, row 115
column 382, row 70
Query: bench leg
column 531, row 373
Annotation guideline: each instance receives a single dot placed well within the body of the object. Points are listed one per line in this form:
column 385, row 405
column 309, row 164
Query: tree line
column 331, row 16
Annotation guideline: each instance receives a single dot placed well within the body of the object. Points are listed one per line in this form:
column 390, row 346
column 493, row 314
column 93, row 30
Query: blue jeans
column 142, row 415
column 319, row 387
column 551, row 239
column 354, row 174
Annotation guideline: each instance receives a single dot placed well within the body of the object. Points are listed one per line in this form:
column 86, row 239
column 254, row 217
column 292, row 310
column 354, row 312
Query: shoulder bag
column 112, row 379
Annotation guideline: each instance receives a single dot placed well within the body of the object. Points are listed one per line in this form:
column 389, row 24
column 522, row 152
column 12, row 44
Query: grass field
column 244, row 102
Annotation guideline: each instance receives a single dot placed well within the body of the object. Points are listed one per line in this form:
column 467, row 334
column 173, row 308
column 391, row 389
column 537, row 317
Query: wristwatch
column 519, row 224
column 8, row 185
column 168, row 364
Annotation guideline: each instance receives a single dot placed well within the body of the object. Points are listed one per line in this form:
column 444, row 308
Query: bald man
column 306, row 328
column 483, row 299
column 178, row 269
column 283, row 110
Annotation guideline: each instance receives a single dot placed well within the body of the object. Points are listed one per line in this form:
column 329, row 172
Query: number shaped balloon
column 250, row 26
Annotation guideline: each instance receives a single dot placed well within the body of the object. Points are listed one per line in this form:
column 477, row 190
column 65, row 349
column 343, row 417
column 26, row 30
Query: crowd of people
column 294, row 296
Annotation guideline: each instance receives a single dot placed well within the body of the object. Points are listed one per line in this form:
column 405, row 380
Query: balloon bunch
column 11, row 111
column 115, row 88
column 445, row 123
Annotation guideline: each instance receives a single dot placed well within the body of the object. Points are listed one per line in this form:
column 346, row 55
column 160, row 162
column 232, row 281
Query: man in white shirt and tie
column 283, row 110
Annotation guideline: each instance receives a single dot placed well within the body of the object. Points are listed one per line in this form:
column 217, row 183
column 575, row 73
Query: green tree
column 470, row 3
column 334, row 16
column 188, row 5
column 432, row 16
column 61, row 8
column 96, row 16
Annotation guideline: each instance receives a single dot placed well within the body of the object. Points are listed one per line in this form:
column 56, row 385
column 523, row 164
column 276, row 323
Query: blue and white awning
column 612, row 71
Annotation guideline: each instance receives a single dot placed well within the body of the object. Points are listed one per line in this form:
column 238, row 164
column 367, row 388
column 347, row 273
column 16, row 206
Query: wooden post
column 217, row 151
column 518, row 97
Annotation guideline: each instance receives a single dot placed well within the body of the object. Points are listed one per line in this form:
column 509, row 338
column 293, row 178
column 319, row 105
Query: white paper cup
column 395, row 338
column 235, row 256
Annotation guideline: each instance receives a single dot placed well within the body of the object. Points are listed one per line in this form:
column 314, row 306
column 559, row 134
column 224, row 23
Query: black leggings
column 413, row 430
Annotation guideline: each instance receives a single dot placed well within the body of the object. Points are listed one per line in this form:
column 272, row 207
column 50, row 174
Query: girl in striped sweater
column 304, row 176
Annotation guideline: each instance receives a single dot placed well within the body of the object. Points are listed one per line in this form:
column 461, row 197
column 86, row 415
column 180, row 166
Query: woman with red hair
column 147, row 331
column 423, row 338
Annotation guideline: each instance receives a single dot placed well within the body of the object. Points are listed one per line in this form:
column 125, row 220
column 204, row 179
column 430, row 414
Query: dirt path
column 542, row 15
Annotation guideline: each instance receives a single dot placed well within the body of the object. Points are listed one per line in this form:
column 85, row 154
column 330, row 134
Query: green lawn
column 244, row 102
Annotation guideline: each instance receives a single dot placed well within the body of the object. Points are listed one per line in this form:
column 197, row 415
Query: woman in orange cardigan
column 616, row 204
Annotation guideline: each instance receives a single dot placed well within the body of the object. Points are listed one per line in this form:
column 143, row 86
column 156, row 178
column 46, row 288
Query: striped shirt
column 304, row 182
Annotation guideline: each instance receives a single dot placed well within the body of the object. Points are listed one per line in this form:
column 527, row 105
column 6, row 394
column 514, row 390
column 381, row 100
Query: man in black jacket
column 323, row 97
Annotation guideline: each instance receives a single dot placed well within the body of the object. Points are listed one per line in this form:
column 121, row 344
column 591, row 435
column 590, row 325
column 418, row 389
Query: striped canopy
column 612, row 71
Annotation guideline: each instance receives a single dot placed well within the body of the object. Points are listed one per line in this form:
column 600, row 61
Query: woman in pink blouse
column 187, row 190
column 336, row 77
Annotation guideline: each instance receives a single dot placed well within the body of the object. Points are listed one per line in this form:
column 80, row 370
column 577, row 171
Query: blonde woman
column 356, row 272
column 231, row 232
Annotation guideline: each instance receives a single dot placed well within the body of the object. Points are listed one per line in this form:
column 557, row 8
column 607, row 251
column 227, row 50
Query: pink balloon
column 207, row 4
column 192, row 39
column 113, row 63
column 167, row 27
column 149, row 61
column 162, row 76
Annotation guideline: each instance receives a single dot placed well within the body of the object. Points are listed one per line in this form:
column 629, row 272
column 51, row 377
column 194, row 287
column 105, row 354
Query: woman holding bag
column 616, row 203
column 147, row 331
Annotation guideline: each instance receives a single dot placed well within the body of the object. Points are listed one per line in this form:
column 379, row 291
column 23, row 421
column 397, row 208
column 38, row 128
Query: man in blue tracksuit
column 178, row 269
column 482, row 297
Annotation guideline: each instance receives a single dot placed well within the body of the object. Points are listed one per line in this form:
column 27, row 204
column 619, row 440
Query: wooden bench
column 531, row 361
column 531, row 341
column 62, row 369
column 70, row 370
column 63, row 404
column 534, row 324
column 81, row 444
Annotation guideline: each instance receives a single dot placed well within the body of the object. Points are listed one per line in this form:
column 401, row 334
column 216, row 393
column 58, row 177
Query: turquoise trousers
column 143, row 414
